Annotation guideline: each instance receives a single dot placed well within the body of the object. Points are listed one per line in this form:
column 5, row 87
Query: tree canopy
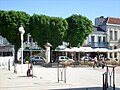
column 79, row 27
column 47, row 29
column 10, row 22
column 43, row 28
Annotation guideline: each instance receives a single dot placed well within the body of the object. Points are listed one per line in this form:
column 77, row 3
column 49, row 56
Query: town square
column 59, row 45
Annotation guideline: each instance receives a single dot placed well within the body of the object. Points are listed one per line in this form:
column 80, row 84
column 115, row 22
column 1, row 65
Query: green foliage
column 43, row 29
column 47, row 29
column 9, row 24
column 79, row 27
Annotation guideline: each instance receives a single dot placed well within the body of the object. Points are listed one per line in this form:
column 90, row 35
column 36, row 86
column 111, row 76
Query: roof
column 6, row 48
column 48, row 45
column 98, row 29
column 5, row 41
column 112, row 20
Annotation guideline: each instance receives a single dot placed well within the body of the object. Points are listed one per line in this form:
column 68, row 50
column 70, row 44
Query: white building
column 29, row 47
column 106, row 34
column 30, row 43
column 98, row 38
column 3, row 41
column 6, row 51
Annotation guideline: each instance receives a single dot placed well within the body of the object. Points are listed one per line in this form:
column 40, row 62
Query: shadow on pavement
column 22, row 76
column 27, row 76
column 87, row 88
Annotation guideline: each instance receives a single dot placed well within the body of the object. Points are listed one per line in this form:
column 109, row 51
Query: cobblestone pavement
column 77, row 78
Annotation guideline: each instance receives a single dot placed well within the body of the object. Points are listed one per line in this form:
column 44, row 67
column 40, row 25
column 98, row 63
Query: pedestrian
column 29, row 72
column 103, row 62
column 95, row 62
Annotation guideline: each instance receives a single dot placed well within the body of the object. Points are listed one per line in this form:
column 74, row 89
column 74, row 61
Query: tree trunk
column 15, row 60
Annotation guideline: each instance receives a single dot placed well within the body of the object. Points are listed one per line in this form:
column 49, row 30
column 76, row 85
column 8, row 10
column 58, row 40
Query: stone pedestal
column 47, row 51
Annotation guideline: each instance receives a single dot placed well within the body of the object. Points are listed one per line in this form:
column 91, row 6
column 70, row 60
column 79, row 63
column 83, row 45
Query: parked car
column 37, row 59
column 87, row 58
column 63, row 58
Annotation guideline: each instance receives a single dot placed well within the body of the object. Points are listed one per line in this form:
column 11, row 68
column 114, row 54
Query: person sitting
column 29, row 72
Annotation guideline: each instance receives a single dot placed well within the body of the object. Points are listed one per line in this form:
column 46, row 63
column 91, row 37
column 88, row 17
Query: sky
column 65, row 8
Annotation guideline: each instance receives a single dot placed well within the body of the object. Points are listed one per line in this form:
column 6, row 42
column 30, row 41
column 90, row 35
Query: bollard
column 105, row 82
column 113, row 78
column 108, row 75
column 32, row 69
column 61, row 73
column 15, row 70
column 9, row 64
column 4, row 63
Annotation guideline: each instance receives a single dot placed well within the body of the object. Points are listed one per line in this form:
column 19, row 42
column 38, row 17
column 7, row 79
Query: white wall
column 114, row 42
column 4, row 60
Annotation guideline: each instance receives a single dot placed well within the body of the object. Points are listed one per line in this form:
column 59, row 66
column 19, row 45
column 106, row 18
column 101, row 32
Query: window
column 115, row 55
column 36, row 57
column 62, row 57
column 92, row 39
column 1, row 41
column 111, row 35
column 104, row 39
column 115, row 35
column 115, row 47
column 41, row 57
column 110, row 55
column 99, row 39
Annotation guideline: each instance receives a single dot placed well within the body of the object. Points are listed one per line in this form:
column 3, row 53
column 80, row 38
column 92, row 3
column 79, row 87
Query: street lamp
column 22, row 31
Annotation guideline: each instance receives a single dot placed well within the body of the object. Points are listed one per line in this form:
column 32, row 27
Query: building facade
column 6, row 51
column 3, row 41
column 30, row 48
column 98, row 38
column 106, row 34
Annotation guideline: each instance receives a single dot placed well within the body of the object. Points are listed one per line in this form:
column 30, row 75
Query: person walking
column 95, row 62
column 103, row 62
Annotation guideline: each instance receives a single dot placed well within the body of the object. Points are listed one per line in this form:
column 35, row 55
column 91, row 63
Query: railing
column 109, row 78
column 105, row 81
column 99, row 44
column 61, row 73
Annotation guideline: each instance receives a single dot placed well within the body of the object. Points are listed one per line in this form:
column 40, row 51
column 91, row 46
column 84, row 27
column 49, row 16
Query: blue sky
column 65, row 8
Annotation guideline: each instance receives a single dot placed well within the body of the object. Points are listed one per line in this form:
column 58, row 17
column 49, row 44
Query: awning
column 101, row 50
column 116, row 50
column 7, row 48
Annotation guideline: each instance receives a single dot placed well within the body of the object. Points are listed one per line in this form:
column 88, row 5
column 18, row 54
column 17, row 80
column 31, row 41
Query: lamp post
column 22, row 31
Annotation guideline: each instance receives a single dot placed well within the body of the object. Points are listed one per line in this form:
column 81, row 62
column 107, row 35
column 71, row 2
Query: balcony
column 99, row 44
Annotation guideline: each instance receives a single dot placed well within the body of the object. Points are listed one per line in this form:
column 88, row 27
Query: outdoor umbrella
column 116, row 50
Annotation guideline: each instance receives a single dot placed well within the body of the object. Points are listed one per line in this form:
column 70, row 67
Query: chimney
column 99, row 21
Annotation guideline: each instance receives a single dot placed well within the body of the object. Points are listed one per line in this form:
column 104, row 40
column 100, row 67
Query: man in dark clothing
column 29, row 72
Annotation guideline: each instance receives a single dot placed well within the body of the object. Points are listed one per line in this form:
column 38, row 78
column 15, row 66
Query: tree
column 47, row 29
column 58, row 27
column 79, row 27
column 9, row 23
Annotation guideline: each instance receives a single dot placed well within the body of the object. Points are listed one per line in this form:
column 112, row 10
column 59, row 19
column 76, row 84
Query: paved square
column 77, row 78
